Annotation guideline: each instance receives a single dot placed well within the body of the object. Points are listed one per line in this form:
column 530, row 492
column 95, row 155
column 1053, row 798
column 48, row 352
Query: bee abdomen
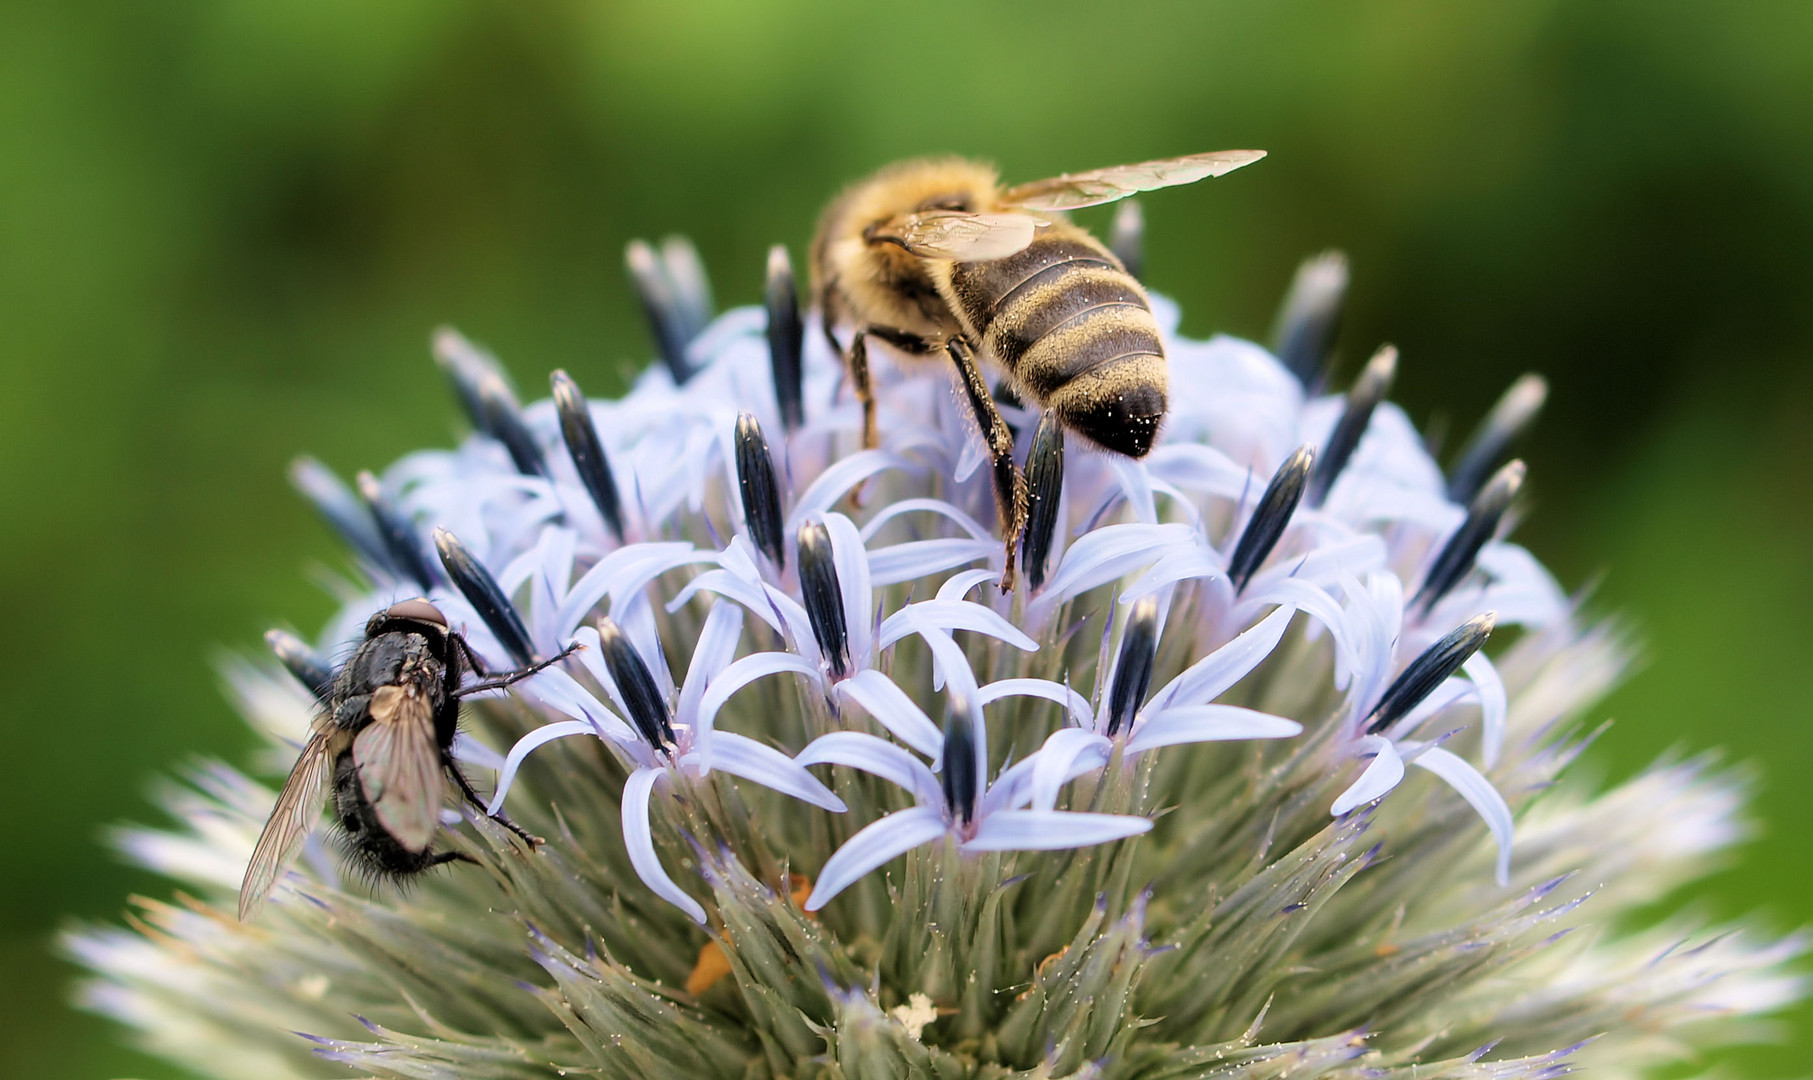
column 1070, row 327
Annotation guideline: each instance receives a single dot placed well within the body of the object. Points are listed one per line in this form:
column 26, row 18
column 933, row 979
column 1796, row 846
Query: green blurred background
column 226, row 230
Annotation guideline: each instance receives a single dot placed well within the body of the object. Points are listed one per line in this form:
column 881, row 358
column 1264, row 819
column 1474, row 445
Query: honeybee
column 383, row 739
column 935, row 256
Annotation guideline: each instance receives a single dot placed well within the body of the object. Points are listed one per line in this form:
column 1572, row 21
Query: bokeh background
column 226, row 230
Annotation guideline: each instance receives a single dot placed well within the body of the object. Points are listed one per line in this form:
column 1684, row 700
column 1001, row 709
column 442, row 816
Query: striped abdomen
column 1074, row 329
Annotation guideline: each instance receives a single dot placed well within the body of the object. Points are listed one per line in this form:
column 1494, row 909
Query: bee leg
column 858, row 366
column 858, row 363
column 1010, row 486
column 478, row 804
column 827, row 299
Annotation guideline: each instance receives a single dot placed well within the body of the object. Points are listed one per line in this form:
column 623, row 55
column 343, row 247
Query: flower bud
column 481, row 590
column 761, row 494
column 587, row 451
column 824, row 597
column 1496, row 434
column 1457, row 556
column 786, row 337
column 1270, row 517
column 399, row 536
column 1368, row 390
column 1430, row 670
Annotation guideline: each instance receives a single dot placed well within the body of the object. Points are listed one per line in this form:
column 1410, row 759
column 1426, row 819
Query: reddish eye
column 418, row 610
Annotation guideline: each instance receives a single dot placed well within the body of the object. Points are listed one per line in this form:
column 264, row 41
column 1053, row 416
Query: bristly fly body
column 382, row 742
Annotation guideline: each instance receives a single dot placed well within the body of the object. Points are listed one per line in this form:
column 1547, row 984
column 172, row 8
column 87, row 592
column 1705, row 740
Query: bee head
column 843, row 244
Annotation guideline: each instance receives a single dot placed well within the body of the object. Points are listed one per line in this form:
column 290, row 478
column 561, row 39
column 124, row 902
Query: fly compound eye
column 417, row 610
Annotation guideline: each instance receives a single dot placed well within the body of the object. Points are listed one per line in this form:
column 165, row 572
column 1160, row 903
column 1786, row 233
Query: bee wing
column 1074, row 190
column 298, row 807
column 400, row 766
column 958, row 234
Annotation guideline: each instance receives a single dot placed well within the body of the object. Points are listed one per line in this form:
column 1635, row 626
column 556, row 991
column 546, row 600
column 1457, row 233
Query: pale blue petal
column 636, row 615
column 893, row 710
column 523, row 567
column 545, row 734
column 1076, row 704
column 623, row 571
column 1516, row 605
column 751, row 760
column 975, row 450
column 549, row 573
column 1326, row 564
column 1011, row 790
column 915, row 559
column 738, row 557
column 745, row 591
column 1492, row 705
column 1522, row 591
column 1366, row 632
column 469, row 750
column 1107, row 553
column 949, row 664
column 1185, row 564
column 738, row 675
column 1066, row 755
column 565, row 695
column 716, row 648
column 1480, row 794
column 1208, row 723
column 1179, row 500
column 780, row 611
column 1316, row 602
column 959, row 585
column 639, row 840
column 1136, row 487
column 878, row 757
column 852, row 563
column 948, row 615
column 1385, row 773
column 1210, row 677
column 1050, row 830
column 835, row 482
column 887, row 839
column 968, row 524
column 1200, row 468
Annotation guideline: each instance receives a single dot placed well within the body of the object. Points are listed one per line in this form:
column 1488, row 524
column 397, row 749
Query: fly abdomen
column 1075, row 331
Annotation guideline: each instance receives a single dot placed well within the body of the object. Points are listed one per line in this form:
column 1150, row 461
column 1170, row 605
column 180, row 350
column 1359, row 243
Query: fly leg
column 471, row 796
column 1010, row 486
column 509, row 677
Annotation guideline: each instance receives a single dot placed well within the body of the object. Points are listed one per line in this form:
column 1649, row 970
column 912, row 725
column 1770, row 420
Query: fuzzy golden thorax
column 882, row 284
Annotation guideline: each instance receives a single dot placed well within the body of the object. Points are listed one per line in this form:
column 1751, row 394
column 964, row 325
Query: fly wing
column 1074, row 190
column 958, row 234
column 298, row 807
column 400, row 766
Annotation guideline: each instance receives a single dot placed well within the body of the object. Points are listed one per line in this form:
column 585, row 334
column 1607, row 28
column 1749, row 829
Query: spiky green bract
column 1249, row 935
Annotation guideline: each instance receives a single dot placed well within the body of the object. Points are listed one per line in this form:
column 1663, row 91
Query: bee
column 935, row 256
column 382, row 741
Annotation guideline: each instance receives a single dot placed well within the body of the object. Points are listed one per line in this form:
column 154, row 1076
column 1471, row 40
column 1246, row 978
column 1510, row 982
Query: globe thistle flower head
column 815, row 797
